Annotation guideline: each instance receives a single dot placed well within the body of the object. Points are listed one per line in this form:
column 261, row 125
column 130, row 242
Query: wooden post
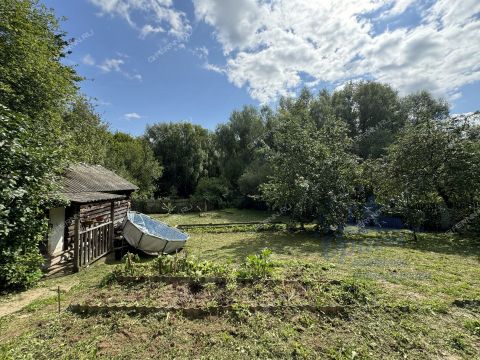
column 58, row 298
column 112, row 219
column 76, row 245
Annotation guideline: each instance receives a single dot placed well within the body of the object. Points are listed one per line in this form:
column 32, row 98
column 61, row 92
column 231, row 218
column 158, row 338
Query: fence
column 91, row 243
column 166, row 205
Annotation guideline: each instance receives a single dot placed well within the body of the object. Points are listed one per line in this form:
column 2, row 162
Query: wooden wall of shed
column 93, row 211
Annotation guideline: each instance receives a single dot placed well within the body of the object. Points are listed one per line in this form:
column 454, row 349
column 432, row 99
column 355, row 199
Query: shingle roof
column 82, row 182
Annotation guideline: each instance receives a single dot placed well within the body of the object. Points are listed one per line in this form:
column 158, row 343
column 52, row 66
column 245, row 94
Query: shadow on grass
column 308, row 244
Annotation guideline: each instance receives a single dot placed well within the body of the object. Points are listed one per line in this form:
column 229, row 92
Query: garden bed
column 199, row 312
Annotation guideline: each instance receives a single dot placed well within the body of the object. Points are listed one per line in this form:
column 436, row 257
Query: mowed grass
column 219, row 217
column 399, row 295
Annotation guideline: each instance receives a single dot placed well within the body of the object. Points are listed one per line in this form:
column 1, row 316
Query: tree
column 212, row 191
column 33, row 81
column 313, row 172
column 236, row 140
column 184, row 151
column 132, row 158
column 422, row 106
column 27, row 181
column 433, row 167
column 87, row 136
column 34, row 90
column 373, row 114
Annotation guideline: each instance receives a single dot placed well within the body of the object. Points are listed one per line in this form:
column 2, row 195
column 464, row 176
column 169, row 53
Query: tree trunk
column 415, row 235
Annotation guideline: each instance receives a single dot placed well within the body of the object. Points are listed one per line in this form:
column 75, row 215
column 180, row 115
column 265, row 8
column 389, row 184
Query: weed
column 257, row 266
column 473, row 326
column 129, row 263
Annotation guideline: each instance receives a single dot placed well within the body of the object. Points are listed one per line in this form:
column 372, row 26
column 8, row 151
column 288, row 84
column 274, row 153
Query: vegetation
column 29, row 166
column 396, row 298
column 316, row 158
column 313, row 171
column 34, row 87
column 184, row 151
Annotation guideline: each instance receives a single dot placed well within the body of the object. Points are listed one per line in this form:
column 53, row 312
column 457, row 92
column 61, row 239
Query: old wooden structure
column 83, row 231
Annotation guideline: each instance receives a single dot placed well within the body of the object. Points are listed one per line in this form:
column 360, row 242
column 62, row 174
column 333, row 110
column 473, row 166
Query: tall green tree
column 433, row 168
column 27, row 181
column 184, row 150
column 132, row 158
column 87, row 136
column 33, row 80
column 313, row 171
column 422, row 107
column 34, row 90
column 373, row 114
column 236, row 140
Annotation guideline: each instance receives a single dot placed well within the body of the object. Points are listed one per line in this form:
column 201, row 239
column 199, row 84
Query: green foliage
column 212, row 191
column 257, row 266
column 32, row 79
column 187, row 266
column 88, row 137
column 34, row 89
column 254, row 176
column 372, row 112
column 129, row 261
column 235, row 141
column 432, row 168
column 313, row 170
column 132, row 158
column 423, row 107
column 473, row 326
column 29, row 165
column 186, row 152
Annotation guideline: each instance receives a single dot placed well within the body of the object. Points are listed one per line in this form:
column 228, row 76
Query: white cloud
column 88, row 60
column 149, row 29
column 132, row 116
column 214, row 68
column 111, row 65
column 158, row 13
column 115, row 65
column 271, row 47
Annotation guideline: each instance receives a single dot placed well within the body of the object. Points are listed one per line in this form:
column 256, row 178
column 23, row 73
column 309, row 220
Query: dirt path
column 18, row 301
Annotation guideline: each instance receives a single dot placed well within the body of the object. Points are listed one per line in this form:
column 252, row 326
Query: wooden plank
column 112, row 225
column 94, row 228
column 76, row 249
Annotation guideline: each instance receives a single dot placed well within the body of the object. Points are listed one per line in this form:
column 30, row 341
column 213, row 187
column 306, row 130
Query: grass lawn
column 219, row 217
column 401, row 300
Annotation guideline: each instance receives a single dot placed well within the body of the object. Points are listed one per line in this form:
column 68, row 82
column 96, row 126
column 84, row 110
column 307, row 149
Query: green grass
column 400, row 294
column 219, row 217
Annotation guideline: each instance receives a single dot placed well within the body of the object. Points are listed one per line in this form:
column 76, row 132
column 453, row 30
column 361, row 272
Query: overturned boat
column 152, row 236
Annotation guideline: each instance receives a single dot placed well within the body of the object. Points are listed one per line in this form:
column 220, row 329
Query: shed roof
column 86, row 197
column 85, row 183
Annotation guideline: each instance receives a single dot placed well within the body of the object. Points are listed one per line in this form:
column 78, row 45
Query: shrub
column 212, row 191
column 28, row 166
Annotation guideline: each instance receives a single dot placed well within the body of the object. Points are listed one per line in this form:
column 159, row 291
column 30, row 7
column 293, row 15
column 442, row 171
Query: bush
column 213, row 191
column 28, row 166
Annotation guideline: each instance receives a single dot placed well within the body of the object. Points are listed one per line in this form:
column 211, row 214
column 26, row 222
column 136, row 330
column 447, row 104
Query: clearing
column 369, row 295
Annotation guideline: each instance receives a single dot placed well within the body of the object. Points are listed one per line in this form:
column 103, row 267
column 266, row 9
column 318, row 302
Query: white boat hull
column 151, row 241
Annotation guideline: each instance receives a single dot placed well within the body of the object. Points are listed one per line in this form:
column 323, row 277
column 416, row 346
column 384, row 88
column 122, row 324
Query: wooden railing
column 91, row 243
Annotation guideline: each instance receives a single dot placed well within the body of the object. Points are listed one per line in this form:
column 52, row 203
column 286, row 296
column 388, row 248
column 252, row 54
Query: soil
column 18, row 301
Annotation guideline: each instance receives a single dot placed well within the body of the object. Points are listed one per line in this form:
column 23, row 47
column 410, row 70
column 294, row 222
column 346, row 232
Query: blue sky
column 148, row 61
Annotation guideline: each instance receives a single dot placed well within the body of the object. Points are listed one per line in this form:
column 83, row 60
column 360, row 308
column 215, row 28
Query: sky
column 149, row 61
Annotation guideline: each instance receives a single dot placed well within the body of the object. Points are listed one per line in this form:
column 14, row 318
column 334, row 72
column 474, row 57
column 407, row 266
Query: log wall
column 94, row 211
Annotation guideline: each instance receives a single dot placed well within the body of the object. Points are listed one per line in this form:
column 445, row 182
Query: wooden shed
column 83, row 231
